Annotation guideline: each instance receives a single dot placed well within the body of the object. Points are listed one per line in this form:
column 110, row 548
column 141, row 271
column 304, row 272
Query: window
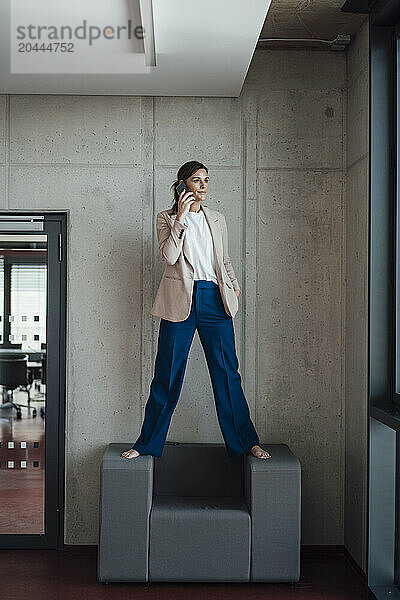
column 1, row 299
column 28, row 305
column 396, row 162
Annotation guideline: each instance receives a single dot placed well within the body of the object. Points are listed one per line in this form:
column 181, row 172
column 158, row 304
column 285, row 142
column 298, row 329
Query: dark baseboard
column 329, row 551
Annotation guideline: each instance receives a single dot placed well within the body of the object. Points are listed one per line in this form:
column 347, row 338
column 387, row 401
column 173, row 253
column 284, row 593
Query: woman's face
column 198, row 184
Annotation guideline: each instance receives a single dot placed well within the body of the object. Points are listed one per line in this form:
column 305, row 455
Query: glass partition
column 23, row 314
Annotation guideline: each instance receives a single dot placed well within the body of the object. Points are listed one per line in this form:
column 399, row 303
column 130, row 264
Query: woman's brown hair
column 184, row 173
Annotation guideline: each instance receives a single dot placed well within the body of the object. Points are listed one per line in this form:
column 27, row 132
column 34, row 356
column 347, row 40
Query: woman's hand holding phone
column 185, row 200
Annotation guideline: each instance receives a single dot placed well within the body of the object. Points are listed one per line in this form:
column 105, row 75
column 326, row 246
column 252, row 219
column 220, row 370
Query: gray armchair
column 197, row 515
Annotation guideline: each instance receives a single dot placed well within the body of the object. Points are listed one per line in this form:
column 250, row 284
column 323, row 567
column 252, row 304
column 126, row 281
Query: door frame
column 55, row 225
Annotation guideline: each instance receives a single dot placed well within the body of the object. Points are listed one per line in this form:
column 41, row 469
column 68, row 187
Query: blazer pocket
column 171, row 277
column 228, row 284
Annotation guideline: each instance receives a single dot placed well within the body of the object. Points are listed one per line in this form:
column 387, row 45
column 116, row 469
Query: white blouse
column 200, row 246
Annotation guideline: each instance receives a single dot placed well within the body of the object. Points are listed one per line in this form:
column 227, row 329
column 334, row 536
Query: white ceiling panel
column 200, row 49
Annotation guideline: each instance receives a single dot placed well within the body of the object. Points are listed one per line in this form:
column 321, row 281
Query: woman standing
column 198, row 290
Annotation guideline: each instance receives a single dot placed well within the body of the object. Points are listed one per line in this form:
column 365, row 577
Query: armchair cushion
column 199, row 539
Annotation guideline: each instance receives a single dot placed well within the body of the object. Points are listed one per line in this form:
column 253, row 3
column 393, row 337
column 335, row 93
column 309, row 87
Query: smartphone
column 180, row 187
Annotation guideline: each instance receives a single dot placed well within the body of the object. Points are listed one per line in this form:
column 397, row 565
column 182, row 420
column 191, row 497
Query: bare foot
column 131, row 453
column 259, row 452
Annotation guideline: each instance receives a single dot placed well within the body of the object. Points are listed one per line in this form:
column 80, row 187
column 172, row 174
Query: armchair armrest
column 273, row 496
column 126, row 492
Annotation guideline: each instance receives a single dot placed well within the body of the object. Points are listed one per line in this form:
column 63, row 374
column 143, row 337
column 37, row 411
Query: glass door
column 31, row 490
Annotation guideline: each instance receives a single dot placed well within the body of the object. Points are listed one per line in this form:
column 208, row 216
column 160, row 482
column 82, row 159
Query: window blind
column 28, row 304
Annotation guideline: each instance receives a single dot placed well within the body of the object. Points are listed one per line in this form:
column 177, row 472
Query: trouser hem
column 142, row 450
column 254, row 443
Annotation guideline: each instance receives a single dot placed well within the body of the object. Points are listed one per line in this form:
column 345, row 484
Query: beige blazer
column 174, row 295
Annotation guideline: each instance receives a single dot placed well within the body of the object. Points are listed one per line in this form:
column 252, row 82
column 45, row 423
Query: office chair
column 13, row 375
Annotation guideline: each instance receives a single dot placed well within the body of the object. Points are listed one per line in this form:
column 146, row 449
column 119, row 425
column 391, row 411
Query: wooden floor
column 22, row 486
column 70, row 574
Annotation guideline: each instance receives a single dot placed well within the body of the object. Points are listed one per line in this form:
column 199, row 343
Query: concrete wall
column 277, row 166
column 356, row 299
column 300, row 312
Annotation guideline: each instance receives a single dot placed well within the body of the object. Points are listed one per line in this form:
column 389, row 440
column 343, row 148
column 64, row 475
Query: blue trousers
column 217, row 338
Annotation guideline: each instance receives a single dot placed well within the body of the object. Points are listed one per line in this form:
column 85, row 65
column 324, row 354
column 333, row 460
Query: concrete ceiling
column 307, row 19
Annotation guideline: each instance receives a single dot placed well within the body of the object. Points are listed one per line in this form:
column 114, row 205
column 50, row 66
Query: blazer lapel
column 212, row 220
